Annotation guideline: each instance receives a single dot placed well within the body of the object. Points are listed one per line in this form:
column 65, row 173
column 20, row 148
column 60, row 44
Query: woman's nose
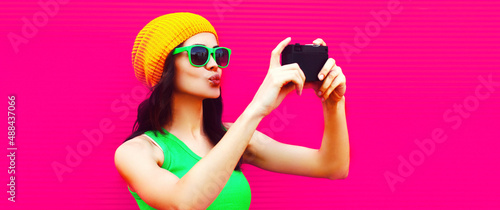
column 211, row 65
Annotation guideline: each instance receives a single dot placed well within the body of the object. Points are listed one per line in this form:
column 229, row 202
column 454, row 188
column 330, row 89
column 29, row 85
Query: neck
column 187, row 116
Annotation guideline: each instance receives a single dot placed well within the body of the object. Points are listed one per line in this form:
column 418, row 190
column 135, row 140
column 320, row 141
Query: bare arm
column 334, row 151
column 330, row 161
column 161, row 189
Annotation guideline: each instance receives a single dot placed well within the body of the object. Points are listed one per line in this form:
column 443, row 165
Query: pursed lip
column 215, row 79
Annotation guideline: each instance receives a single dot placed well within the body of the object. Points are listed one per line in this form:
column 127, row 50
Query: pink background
column 75, row 73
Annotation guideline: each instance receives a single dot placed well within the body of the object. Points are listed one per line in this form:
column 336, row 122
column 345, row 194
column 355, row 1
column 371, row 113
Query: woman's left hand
column 331, row 87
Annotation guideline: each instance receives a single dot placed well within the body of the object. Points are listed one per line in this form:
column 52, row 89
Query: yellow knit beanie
column 155, row 41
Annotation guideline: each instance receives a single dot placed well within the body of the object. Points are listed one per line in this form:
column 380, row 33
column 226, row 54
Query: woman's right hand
column 279, row 81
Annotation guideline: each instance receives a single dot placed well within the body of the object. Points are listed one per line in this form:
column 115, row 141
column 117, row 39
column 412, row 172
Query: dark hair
column 156, row 111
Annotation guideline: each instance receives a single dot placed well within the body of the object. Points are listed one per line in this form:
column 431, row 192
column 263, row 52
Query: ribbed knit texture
column 179, row 159
column 155, row 41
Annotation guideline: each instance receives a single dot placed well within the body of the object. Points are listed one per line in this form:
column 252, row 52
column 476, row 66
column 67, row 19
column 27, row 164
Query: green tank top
column 179, row 159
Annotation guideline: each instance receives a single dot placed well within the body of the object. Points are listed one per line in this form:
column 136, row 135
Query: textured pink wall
column 422, row 98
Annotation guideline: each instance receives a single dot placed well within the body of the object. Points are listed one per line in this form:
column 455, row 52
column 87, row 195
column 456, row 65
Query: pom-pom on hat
column 155, row 41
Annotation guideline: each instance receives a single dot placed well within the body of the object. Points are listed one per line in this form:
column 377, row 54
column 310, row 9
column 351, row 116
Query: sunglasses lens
column 199, row 55
column 222, row 57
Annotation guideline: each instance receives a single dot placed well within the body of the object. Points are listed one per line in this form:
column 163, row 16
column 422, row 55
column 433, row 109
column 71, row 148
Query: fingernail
column 320, row 93
column 322, row 99
column 321, row 76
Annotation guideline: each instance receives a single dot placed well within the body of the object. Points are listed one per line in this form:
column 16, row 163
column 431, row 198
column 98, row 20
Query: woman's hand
column 333, row 87
column 279, row 81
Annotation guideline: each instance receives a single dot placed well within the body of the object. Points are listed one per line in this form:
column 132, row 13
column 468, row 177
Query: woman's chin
column 214, row 94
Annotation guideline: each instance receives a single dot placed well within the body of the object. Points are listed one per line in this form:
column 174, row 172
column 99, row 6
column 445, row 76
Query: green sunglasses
column 199, row 55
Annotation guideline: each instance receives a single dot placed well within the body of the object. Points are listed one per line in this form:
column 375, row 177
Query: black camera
column 311, row 58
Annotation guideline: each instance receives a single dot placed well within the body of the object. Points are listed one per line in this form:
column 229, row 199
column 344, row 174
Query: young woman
column 181, row 156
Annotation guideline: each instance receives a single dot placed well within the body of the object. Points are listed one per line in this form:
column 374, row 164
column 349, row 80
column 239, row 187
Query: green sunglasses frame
column 211, row 51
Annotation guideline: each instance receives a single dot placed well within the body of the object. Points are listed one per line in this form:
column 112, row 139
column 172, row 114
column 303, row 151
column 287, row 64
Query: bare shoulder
column 137, row 148
column 136, row 162
column 136, row 144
